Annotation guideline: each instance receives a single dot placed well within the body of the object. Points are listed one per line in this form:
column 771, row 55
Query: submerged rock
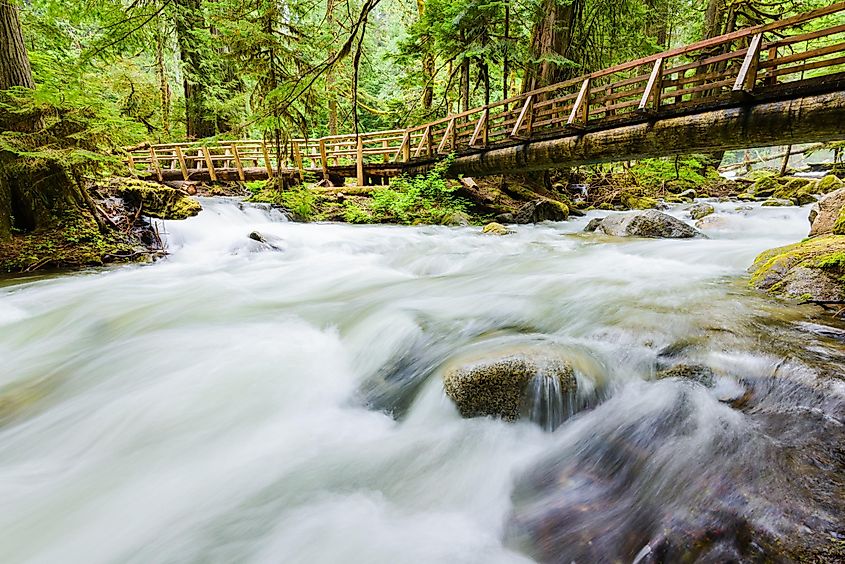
column 268, row 240
column 541, row 210
column 496, row 229
column 701, row 210
column 704, row 375
column 593, row 224
column 498, row 385
column 811, row 269
column 650, row 223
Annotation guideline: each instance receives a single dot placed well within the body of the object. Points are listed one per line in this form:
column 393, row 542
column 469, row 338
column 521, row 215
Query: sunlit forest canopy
column 161, row 70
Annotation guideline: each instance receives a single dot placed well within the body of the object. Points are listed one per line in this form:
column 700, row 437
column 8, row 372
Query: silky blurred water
column 233, row 403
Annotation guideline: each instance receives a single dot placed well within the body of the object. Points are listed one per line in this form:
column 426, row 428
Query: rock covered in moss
column 701, row 210
column 156, row 200
column 826, row 212
column 494, row 228
column 764, row 187
column 777, row 202
column 455, row 219
column 704, row 375
column 810, row 269
column 541, row 210
column 746, row 197
column 593, row 224
column 650, row 223
column 828, row 184
column 634, row 201
column 497, row 385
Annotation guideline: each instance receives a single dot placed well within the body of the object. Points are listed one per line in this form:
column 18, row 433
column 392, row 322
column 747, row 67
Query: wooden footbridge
column 778, row 83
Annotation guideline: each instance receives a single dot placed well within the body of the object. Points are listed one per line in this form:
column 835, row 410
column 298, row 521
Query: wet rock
column 541, row 210
column 593, row 224
column 497, row 385
column 505, row 218
column 777, row 202
column 650, row 223
column 746, row 197
column 699, row 211
column 496, row 229
column 268, row 240
column 687, row 194
column 455, row 219
column 811, row 269
column 829, row 184
column 712, row 222
column 704, row 375
column 764, row 187
column 826, row 213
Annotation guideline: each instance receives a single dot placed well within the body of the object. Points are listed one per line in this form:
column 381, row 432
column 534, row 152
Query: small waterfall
column 546, row 403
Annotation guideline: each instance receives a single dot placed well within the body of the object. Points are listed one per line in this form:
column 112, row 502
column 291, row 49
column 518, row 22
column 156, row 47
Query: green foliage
column 426, row 198
column 300, row 201
column 688, row 171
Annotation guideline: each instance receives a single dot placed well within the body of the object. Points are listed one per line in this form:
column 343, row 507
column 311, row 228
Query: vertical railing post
column 297, row 157
column 182, row 164
column 211, row 172
column 324, row 162
column 238, row 163
column 748, row 71
column 154, row 162
column 406, row 146
column 771, row 78
column 653, row 88
column 581, row 109
column 268, row 165
column 359, row 160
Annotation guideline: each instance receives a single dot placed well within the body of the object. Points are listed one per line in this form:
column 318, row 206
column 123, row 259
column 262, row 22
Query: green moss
column 839, row 225
column 826, row 252
column 765, row 186
column 828, row 184
column 158, row 201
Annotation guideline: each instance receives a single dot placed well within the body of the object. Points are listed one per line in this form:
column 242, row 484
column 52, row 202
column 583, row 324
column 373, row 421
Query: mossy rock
column 704, row 375
column 633, row 201
column 540, row 210
column 764, row 187
column 777, row 202
column 494, row 228
column 798, row 190
column 828, row 184
column 649, row 223
column 455, row 219
column 497, row 385
column 746, row 197
column 812, row 269
column 158, row 201
column 701, row 210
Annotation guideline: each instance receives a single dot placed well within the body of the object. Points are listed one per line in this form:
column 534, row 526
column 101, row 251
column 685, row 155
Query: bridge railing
column 703, row 73
column 728, row 67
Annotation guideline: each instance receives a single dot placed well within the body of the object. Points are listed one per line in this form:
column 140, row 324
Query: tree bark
column 427, row 63
column 14, row 61
column 331, row 91
column 161, row 71
column 190, row 21
column 552, row 37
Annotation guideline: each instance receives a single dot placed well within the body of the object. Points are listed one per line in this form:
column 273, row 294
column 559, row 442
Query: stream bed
column 241, row 403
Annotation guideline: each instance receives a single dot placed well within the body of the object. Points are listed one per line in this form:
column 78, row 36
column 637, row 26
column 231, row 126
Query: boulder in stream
column 649, row 223
column 825, row 214
column 811, row 269
column 499, row 384
column 156, row 200
column 496, row 229
column 701, row 210
column 541, row 210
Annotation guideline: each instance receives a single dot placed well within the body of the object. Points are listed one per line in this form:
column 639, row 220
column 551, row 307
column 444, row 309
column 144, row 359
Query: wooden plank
column 359, row 161
column 429, row 142
column 748, row 71
column 653, row 87
column 808, row 66
column 582, row 104
column 154, row 162
column 268, row 165
column 297, row 158
column 212, row 174
column 405, row 148
column 385, row 145
column 182, row 165
column 447, row 137
column 804, row 55
column 425, row 137
column 324, row 162
column 238, row 164
column 477, row 132
column 131, row 162
column 524, row 118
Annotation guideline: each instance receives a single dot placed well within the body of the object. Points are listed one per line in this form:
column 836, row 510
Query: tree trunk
column 14, row 62
column 552, row 37
column 427, row 63
column 190, row 21
column 161, row 71
column 331, row 92
column 464, row 77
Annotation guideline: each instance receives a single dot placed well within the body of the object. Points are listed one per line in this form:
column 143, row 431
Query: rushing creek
column 240, row 403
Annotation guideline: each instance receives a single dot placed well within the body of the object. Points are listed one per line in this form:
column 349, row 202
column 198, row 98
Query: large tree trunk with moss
column 190, row 25
column 551, row 40
column 34, row 193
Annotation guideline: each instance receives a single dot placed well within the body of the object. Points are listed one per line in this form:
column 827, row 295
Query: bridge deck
column 770, row 62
